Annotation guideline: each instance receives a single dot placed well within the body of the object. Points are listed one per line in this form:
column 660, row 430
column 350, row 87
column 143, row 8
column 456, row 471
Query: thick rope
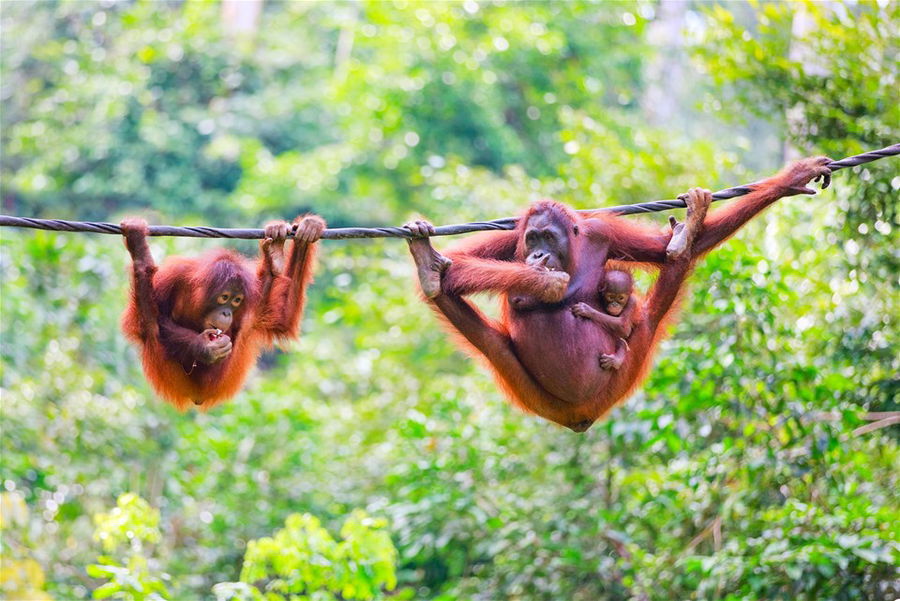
column 342, row 233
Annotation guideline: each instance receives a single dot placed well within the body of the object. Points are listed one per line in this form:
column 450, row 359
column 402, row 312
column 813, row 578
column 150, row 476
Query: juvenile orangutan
column 200, row 322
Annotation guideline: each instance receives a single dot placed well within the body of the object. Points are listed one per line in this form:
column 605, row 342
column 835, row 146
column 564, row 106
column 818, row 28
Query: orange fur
column 165, row 316
column 538, row 355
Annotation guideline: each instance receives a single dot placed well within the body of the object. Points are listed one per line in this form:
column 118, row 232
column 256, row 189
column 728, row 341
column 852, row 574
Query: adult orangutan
column 545, row 357
column 201, row 322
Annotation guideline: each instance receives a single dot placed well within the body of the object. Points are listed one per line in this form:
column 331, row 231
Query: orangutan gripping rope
column 200, row 322
column 544, row 356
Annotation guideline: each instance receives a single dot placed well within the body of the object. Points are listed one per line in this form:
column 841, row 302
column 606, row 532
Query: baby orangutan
column 622, row 311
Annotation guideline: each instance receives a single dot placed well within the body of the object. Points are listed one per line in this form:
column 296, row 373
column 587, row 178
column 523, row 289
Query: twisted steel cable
column 343, row 233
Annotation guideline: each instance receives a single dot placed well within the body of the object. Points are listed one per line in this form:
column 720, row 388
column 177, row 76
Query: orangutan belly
column 562, row 352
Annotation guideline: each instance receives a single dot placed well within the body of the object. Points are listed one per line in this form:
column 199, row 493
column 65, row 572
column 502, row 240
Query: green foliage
column 131, row 581
column 303, row 561
column 132, row 522
column 831, row 91
column 733, row 474
column 827, row 74
column 128, row 527
column 21, row 577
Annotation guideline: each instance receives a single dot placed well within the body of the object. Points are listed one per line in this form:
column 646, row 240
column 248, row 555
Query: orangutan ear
column 575, row 230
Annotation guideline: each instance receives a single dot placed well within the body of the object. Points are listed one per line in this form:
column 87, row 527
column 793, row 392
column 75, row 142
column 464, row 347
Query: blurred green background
column 371, row 459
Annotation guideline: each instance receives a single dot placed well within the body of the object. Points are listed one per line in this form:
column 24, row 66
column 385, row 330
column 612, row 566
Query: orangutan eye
column 223, row 298
column 237, row 300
